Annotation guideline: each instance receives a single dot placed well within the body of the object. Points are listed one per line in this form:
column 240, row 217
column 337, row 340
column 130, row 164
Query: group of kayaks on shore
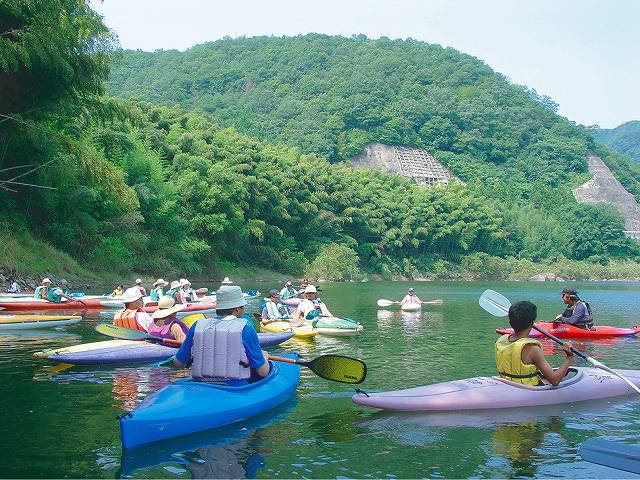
column 293, row 316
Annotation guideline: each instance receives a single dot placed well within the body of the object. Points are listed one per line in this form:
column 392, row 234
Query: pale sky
column 584, row 54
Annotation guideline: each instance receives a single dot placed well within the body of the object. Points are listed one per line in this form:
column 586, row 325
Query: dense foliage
column 151, row 187
column 623, row 139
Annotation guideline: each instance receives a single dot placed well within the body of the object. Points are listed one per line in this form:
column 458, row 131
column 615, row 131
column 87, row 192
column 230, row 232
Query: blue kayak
column 187, row 406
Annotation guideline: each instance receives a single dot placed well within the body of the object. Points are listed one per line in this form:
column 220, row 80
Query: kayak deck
column 563, row 330
column 495, row 392
column 24, row 321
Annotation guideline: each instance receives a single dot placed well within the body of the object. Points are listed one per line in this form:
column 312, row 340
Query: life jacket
column 277, row 310
column 127, row 318
column 41, row 292
column 54, row 296
column 155, row 294
column 587, row 320
column 164, row 330
column 218, row 352
column 509, row 361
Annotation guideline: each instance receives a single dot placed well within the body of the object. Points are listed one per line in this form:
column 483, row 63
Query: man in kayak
column 61, row 291
column 410, row 298
column 288, row 291
column 577, row 313
column 310, row 303
column 274, row 310
column 225, row 347
column 520, row 358
column 132, row 315
column 13, row 285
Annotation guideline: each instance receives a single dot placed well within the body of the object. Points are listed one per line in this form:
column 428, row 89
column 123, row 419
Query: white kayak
column 23, row 321
column 411, row 307
column 494, row 392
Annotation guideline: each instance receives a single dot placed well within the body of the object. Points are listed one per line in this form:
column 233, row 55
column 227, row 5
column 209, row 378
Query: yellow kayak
column 303, row 331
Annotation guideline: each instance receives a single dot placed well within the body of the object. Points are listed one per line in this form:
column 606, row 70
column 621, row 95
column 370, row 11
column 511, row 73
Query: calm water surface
column 63, row 424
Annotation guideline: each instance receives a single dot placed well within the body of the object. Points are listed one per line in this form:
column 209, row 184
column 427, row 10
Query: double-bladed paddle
column 386, row 303
column 498, row 305
column 125, row 333
column 332, row 367
column 611, row 454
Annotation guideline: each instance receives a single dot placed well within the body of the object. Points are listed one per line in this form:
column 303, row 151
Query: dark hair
column 225, row 311
column 522, row 314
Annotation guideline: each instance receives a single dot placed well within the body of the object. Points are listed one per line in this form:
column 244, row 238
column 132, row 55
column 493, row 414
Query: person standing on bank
column 520, row 358
column 13, row 285
column 577, row 312
column 242, row 357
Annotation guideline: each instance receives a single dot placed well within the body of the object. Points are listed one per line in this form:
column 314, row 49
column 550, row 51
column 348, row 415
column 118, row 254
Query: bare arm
column 534, row 354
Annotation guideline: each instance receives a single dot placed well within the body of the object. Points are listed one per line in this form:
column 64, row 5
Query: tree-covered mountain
column 623, row 139
column 234, row 153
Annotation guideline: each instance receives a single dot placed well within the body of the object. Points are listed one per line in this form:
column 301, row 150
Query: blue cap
column 410, row 289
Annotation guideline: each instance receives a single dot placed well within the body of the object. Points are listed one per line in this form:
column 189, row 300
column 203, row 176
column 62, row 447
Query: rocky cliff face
column 604, row 187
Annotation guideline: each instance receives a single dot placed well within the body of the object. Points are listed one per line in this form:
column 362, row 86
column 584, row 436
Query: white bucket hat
column 226, row 281
column 175, row 284
column 184, row 282
column 46, row 280
column 161, row 282
column 310, row 289
column 167, row 306
column 131, row 295
column 138, row 280
column 229, row 297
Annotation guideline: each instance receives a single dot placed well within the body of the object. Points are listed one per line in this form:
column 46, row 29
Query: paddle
column 125, row 333
column 498, row 305
column 385, row 303
column 315, row 316
column 612, row 454
column 332, row 367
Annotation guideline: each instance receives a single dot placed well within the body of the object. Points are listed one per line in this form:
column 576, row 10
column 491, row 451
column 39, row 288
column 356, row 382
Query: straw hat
column 160, row 283
column 229, row 297
column 131, row 295
column 167, row 306
column 226, row 281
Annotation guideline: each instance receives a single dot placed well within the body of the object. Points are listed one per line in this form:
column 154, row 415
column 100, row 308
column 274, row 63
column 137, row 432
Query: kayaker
column 118, row 291
column 174, row 291
column 577, row 313
column 61, row 291
column 143, row 290
column 410, row 298
column 520, row 358
column 13, row 285
column 242, row 357
column 274, row 310
column 226, row 281
column 157, row 291
column 165, row 324
column 42, row 291
column 132, row 315
column 188, row 294
column 309, row 303
column 288, row 291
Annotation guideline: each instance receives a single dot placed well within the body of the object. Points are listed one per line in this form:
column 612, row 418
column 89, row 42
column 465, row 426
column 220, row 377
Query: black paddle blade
column 337, row 368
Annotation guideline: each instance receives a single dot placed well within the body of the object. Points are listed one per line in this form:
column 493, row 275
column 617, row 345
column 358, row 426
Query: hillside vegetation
column 623, row 139
column 234, row 153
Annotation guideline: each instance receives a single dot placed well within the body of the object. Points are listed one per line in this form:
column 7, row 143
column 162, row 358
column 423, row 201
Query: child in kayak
column 520, row 358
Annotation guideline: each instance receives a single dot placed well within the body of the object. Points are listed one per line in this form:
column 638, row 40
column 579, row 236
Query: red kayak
column 26, row 303
column 191, row 307
column 563, row 330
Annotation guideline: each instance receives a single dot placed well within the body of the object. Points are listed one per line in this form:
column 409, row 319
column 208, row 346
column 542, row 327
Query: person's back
column 520, row 358
column 225, row 347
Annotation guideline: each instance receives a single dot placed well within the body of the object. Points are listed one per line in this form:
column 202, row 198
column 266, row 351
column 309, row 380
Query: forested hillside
column 234, row 154
column 623, row 139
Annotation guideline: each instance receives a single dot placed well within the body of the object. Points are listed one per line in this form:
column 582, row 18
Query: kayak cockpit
column 573, row 375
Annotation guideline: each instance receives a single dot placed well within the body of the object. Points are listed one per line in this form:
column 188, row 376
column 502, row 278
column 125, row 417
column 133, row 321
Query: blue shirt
column 250, row 342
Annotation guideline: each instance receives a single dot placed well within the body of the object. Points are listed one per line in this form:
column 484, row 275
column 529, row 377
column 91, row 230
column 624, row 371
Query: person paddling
column 520, row 358
column 410, row 298
column 577, row 313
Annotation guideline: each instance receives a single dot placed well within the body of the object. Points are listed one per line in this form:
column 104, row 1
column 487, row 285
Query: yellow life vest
column 509, row 361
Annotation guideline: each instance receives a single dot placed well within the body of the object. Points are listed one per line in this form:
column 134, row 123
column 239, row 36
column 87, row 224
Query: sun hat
column 274, row 293
column 62, row 280
column 167, row 306
column 184, row 282
column 175, row 284
column 226, row 281
column 288, row 284
column 160, row 282
column 46, row 280
column 410, row 289
column 131, row 295
column 229, row 297
column 138, row 280
column 310, row 289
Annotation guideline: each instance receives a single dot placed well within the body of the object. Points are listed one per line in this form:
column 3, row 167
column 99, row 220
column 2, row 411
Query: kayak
column 336, row 326
column 411, row 307
column 188, row 406
column 191, row 308
column 21, row 321
column 564, row 330
column 494, row 392
column 303, row 331
column 39, row 304
column 129, row 351
column 291, row 302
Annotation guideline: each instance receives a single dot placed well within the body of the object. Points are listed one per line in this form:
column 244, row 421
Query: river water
column 63, row 423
